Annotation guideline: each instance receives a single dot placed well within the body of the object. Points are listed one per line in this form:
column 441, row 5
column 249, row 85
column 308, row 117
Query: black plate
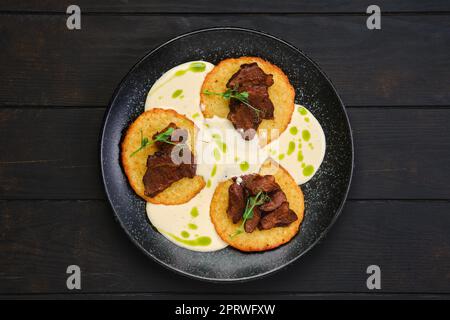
column 325, row 194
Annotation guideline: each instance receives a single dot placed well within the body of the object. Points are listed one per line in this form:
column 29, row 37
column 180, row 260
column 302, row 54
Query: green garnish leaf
column 234, row 94
column 244, row 95
column 163, row 137
column 252, row 202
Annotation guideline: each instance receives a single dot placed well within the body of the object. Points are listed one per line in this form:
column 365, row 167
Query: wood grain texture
column 406, row 63
column 409, row 240
column 235, row 6
column 53, row 153
column 229, row 297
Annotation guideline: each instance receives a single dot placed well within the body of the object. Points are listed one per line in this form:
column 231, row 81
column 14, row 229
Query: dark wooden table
column 56, row 83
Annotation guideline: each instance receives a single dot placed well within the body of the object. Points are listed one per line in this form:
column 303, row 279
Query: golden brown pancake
column 281, row 93
column 258, row 240
column 151, row 122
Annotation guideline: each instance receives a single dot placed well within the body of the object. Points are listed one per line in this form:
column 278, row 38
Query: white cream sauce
column 300, row 149
column 188, row 225
column 179, row 89
column 222, row 153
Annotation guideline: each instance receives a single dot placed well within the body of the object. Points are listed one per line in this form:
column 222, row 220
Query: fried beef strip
column 276, row 199
column 251, row 224
column 244, row 119
column 255, row 183
column 258, row 97
column 273, row 213
column 280, row 217
column 252, row 79
column 250, row 74
column 162, row 171
column 236, row 202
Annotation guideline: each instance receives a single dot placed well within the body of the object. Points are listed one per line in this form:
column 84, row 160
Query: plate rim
column 185, row 273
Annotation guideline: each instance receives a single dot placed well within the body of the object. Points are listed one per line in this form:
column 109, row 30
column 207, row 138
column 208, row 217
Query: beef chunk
column 273, row 213
column 162, row 171
column 236, row 202
column 251, row 224
column 280, row 217
column 276, row 199
column 245, row 120
column 251, row 79
column 255, row 183
column 258, row 97
column 250, row 74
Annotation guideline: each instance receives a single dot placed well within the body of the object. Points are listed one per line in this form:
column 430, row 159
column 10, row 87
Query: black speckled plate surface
column 325, row 194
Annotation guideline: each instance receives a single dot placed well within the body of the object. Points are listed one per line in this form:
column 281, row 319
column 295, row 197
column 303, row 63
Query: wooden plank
column 46, row 64
column 401, row 153
column 55, row 150
column 409, row 240
column 53, row 153
column 234, row 6
column 187, row 298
